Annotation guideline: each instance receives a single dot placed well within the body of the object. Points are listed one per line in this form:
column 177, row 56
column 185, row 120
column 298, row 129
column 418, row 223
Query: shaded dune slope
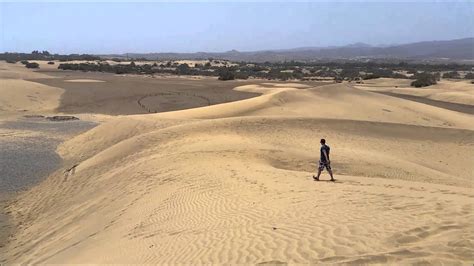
column 231, row 183
column 459, row 91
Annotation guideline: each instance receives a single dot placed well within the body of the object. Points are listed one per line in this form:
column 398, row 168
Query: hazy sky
column 191, row 27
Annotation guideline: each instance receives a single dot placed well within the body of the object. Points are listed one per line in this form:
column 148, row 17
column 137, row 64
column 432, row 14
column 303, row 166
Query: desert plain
column 200, row 171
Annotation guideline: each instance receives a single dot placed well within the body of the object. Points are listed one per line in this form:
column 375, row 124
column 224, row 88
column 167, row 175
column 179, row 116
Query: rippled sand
column 231, row 183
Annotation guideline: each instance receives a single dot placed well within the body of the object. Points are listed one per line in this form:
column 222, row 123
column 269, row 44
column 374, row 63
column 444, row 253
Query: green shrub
column 469, row 75
column 241, row 75
column 32, row 65
column 423, row 79
column 349, row 73
column 183, row 69
column 399, row 76
column 451, row 75
column 371, row 76
column 225, row 74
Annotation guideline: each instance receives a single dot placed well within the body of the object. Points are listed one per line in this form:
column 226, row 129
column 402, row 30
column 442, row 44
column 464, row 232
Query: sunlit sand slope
column 231, row 183
column 461, row 91
column 21, row 96
column 24, row 96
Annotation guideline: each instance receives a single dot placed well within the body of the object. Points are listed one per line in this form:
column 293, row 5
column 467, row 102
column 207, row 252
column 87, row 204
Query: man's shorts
column 324, row 164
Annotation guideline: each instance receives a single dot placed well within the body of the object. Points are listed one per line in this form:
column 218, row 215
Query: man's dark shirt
column 324, row 148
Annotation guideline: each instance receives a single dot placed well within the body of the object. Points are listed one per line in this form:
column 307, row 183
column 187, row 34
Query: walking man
column 324, row 161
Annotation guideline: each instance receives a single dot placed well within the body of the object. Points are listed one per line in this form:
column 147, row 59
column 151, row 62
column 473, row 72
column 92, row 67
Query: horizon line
column 255, row 51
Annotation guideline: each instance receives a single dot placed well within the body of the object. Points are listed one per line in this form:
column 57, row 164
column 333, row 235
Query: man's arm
column 326, row 156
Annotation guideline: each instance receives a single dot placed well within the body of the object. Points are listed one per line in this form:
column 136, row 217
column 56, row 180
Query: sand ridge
column 231, row 183
column 449, row 91
column 26, row 96
column 84, row 80
column 22, row 96
column 330, row 101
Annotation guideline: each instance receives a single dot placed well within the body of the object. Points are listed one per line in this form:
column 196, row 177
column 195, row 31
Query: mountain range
column 459, row 49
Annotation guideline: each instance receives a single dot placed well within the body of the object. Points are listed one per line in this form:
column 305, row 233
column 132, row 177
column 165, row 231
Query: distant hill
column 460, row 49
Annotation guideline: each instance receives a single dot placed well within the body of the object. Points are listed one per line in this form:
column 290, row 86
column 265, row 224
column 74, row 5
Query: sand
column 19, row 71
column 20, row 96
column 457, row 91
column 231, row 183
column 28, row 140
column 28, row 149
column 84, row 80
column 132, row 94
column 25, row 96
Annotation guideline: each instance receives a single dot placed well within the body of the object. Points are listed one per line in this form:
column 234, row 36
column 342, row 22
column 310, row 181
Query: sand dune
column 25, row 96
column 18, row 71
column 448, row 91
column 19, row 95
column 330, row 101
column 231, row 183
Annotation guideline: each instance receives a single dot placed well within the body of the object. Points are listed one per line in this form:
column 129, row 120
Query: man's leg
column 319, row 172
column 328, row 167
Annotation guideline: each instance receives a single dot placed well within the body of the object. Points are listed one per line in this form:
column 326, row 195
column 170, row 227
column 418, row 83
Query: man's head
column 323, row 141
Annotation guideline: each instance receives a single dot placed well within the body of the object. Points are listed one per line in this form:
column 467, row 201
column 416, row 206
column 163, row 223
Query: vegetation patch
column 32, row 65
column 424, row 79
